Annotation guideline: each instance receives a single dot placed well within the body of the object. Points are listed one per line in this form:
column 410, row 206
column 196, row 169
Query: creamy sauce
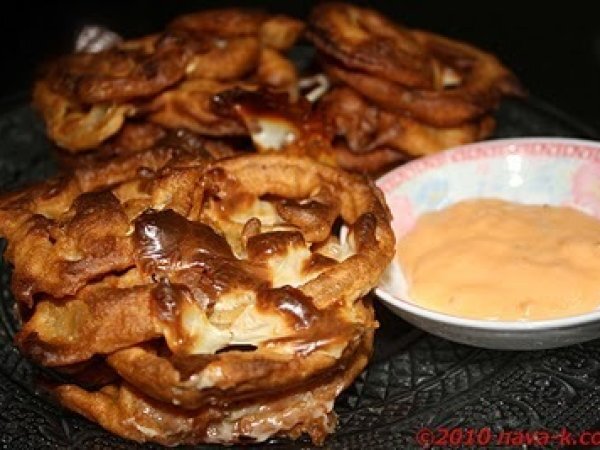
column 497, row 260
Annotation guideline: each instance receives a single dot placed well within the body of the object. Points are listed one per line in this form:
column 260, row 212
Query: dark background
column 554, row 49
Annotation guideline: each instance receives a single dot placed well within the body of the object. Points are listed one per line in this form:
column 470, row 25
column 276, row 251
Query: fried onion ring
column 364, row 40
column 482, row 81
column 277, row 72
column 189, row 106
column 74, row 127
column 376, row 162
column 277, row 32
column 431, row 107
column 436, row 80
column 225, row 22
column 127, row 412
column 227, row 59
column 231, row 291
column 133, row 69
column 366, row 127
column 280, row 32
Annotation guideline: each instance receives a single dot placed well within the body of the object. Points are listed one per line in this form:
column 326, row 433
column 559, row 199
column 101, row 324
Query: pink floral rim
column 530, row 146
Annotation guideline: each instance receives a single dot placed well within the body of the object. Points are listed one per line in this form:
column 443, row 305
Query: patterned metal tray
column 414, row 380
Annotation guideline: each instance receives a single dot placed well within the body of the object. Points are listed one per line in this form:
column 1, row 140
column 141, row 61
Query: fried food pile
column 168, row 78
column 397, row 93
column 206, row 301
column 401, row 93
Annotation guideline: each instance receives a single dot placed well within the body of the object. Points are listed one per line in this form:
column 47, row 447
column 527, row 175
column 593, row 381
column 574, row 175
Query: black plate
column 415, row 380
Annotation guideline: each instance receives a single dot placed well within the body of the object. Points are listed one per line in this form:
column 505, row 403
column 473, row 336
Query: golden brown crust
column 189, row 106
column 132, row 69
column 364, row 40
column 436, row 80
column 306, row 409
column 228, row 59
column 114, row 319
column 225, row 22
column 58, row 254
column 278, row 32
column 364, row 127
column 376, row 161
column 427, row 106
column 216, row 291
column 167, row 78
column 74, row 127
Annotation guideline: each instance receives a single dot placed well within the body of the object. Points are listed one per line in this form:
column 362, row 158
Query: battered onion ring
column 431, row 107
column 226, row 22
column 74, row 127
column 84, row 237
column 235, row 375
column 127, row 412
column 189, row 106
column 364, row 40
column 278, row 32
column 200, row 275
column 227, row 59
column 136, row 68
column 366, row 127
column 482, row 81
column 62, row 237
column 277, row 72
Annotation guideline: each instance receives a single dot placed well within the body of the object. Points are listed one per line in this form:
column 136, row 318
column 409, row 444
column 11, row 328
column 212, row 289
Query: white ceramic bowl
column 526, row 170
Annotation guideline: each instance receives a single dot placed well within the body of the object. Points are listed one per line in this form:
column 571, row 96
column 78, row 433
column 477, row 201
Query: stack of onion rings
column 167, row 78
column 216, row 293
column 418, row 92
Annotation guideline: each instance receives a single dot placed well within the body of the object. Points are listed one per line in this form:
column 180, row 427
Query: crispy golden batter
column 132, row 69
column 308, row 409
column 73, row 126
column 66, row 232
column 376, row 162
column 227, row 59
column 189, row 106
column 364, row 40
column 365, row 127
column 278, row 32
column 216, row 291
column 225, row 22
column 438, row 81
column 277, row 72
column 167, row 78
column 139, row 147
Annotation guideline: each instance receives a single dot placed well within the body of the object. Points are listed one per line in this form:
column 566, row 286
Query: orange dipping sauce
column 497, row 260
